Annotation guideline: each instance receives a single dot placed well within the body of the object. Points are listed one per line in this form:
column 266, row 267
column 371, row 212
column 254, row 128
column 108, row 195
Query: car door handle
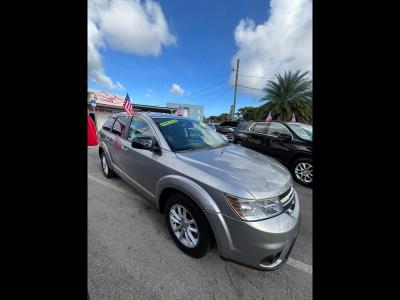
column 124, row 148
column 108, row 139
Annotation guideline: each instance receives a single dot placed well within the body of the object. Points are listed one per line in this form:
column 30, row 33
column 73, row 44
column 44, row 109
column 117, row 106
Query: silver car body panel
column 206, row 176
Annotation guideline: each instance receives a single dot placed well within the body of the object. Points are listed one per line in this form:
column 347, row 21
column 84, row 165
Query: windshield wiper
column 193, row 149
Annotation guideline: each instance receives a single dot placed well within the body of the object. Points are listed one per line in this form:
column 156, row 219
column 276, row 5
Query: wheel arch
column 298, row 155
column 176, row 183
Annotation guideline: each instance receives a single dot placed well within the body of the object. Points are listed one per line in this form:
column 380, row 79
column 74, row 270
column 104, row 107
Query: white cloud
column 177, row 90
column 283, row 42
column 130, row 26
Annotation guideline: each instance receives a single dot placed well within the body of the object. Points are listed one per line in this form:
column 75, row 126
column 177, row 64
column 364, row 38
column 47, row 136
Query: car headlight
column 255, row 210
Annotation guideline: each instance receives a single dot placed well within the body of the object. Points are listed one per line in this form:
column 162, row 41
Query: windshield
column 186, row 134
column 302, row 130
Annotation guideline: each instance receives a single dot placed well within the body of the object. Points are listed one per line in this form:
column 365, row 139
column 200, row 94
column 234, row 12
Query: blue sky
column 196, row 48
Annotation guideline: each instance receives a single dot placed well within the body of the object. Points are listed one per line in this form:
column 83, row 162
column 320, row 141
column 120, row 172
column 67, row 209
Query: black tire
column 204, row 231
column 108, row 172
column 304, row 160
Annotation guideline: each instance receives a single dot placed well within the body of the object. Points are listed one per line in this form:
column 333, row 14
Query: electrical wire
column 251, row 88
column 219, row 94
column 203, row 90
column 255, row 76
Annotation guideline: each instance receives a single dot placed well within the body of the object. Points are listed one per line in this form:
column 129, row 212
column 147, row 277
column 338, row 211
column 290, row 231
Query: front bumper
column 264, row 244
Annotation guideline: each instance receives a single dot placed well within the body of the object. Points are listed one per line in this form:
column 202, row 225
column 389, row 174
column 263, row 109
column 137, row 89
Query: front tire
column 302, row 171
column 187, row 226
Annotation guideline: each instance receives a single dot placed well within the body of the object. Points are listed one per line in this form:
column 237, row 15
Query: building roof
column 116, row 101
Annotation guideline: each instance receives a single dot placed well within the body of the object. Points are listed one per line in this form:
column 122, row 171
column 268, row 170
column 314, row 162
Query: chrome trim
column 268, row 128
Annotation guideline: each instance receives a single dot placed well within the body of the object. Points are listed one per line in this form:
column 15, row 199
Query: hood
column 260, row 175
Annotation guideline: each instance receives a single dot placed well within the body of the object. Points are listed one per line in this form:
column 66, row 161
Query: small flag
column 179, row 112
column 269, row 117
column 128, row 105
column 293, row 118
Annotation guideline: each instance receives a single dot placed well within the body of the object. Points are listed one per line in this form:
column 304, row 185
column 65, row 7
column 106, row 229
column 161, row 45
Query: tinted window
column 139, row 127
column 108, row 124
column 260, row 128
column 276, row 129
column 119, row 126
column 242, row 126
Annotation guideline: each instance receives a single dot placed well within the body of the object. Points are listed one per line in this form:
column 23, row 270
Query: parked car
column 226, row 131
column 230, row 123
column 290, row 143
column 242, row 125
column 209, row 190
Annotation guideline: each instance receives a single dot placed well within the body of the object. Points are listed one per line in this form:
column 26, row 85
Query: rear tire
column 105, row 166
column 192, row 232
column 302, row 171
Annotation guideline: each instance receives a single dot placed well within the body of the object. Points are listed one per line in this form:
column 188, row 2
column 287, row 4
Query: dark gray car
column 211, row 191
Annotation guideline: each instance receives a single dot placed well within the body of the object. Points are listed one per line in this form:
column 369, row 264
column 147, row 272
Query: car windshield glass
column 187, row 135
column 302, row 130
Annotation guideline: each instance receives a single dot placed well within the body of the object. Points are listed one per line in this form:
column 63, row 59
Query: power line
column 201, row 91
column 220, row 95
column 256, row 76
column 251, row 88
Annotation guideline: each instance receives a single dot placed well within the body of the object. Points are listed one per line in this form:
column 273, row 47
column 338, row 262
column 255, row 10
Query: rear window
column 108, row 123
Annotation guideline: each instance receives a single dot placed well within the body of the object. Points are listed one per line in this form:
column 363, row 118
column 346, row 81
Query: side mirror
column 284, row 136
column 146, row 143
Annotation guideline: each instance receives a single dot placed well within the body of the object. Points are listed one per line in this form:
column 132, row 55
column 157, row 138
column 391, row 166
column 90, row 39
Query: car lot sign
column 93, row 102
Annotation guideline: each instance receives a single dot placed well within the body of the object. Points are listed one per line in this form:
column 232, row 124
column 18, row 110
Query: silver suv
column 211, row 191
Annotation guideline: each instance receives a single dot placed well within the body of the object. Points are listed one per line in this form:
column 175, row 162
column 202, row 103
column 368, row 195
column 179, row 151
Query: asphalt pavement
column 132, row 256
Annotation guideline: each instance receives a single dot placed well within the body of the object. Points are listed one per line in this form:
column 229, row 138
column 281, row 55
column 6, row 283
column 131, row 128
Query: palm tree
column 292, row 93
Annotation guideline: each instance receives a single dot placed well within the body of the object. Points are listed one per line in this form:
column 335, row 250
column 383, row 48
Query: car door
column 141, row 166
column 257, row 135
column 107, row 137
column 117, row 135
column 275, row 146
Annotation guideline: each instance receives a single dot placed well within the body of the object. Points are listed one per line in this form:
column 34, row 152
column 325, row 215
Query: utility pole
column 234, row 96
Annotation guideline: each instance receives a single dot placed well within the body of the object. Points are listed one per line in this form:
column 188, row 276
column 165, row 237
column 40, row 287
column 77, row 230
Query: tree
column 218, row 119
column 224, row 117
column 290, row 93
column 247, row 113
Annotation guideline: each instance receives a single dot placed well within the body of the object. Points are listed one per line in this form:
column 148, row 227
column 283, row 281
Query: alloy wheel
column 304, row 172
column 184, row 226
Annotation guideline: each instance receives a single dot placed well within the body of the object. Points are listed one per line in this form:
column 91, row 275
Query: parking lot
column 132, row 256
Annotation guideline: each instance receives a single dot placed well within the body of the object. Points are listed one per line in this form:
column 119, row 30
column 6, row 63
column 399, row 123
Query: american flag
column 269, row 117
column 128, row 105
column 293, row 118
column 179, row 112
